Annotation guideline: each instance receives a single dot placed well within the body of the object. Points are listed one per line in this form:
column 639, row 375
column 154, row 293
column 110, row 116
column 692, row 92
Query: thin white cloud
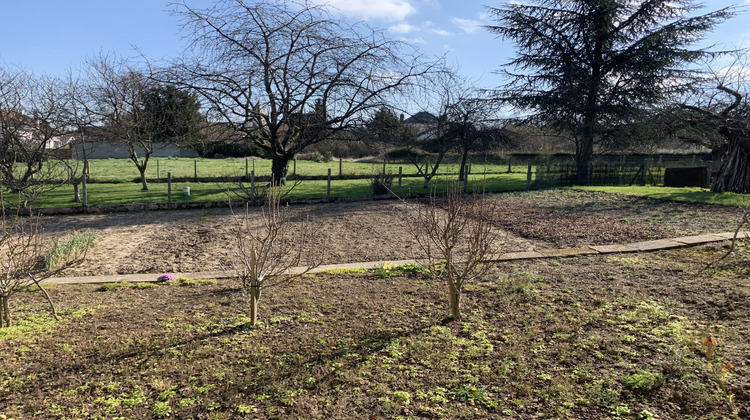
column 402, row 28
column 418, row 40
column 395, row 10
column 467, row 25
column 442, row 32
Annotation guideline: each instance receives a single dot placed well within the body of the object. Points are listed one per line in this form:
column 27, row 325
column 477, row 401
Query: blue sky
column 50, row 36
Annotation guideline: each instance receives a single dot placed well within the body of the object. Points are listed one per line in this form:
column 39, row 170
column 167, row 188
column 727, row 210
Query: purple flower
column 165, row 277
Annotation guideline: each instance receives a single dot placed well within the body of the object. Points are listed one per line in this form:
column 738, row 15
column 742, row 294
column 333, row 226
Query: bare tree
column 26, row 261
column 268, row 245
column 286, row 74
column 464, row 122
column 118, row 94
column 721, row 112
column 30, row 107
column 471, row 124
column 456, row 235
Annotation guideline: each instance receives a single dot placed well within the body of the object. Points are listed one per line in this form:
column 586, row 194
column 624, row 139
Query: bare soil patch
column 201, row 240
column 568, row 218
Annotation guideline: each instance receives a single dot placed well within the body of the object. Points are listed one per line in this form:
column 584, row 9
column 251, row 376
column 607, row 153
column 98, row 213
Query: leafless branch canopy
column 456, row 235
column 268, row 244
column 287, row 74
column 30, row 121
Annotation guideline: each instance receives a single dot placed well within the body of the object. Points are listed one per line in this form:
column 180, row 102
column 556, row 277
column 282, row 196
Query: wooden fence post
column 341, row 172
column 246, row 168
column 328, row 188
column 157, row 171
column 169, row 190
column 466, row 178
column 252, row 186
column 195, row 170
column 644, row 172
column 528, row 178
column 400, row 173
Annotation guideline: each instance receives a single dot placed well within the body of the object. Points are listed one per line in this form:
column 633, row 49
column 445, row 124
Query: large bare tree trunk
column 734, row 175
column 279, row 170
column 144, row 183
column 463, row 170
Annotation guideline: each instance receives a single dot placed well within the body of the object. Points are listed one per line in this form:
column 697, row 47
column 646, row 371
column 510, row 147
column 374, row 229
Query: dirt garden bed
column 199, row 240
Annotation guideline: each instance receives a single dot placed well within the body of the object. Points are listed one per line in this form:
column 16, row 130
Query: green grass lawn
column 116, row 181
column 124, row 170
column 120, row 175
column 130, row 193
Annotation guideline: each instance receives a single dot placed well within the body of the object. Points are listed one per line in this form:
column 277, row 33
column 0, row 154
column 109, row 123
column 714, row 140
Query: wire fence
column 600, row 174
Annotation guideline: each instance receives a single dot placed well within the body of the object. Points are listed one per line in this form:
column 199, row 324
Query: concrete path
column 645, row 246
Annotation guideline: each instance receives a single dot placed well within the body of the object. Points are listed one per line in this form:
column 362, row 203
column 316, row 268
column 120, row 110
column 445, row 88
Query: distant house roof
column 422, row 117
column 30, row 131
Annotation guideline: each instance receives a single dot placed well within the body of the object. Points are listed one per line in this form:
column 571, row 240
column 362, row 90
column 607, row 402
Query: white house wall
column 113, row 150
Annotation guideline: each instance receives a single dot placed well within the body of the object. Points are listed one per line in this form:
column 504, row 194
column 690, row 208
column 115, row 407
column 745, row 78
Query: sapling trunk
column 454, row 295
column 254, row 297
column 4, row 312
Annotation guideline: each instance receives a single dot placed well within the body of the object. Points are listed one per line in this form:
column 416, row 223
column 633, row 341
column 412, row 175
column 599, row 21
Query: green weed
column 387, row 269
column 643, row 381
column 108, row 287
column 187, row 281
column 472, row 395
column 162, row 410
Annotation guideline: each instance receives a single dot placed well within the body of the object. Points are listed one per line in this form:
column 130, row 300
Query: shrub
column 381, row 184
column 324, row 157
column 457, row 238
